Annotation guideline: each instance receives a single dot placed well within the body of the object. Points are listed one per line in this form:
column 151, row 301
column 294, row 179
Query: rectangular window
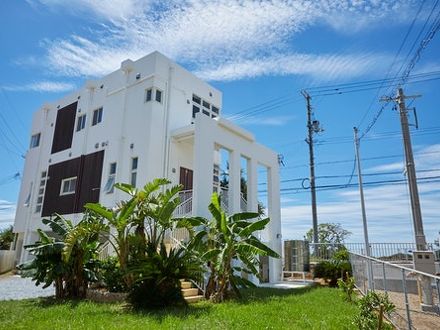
column 158, row 96
column 68, row 186
column 206, row 113
column 97, row 116
column 35, row 140
column 148, row 94
column 215, row 109
column 206, row 105
column 197, row 99
column 109, row 186
column 133, row 174
column 81, row 123
column 195, row 110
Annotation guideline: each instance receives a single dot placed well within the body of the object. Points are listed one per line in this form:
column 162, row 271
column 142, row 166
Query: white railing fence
column 406, row 288
column 394, row 252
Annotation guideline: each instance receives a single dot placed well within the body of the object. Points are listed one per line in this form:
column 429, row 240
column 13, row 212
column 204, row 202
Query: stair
column 190, row 293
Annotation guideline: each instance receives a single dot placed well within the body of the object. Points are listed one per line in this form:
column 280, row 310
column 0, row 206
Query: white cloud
column 41, row 86
column 264, row 121
column 424, row 158
column 7, row 213
column 221, row 40
column 323, row 67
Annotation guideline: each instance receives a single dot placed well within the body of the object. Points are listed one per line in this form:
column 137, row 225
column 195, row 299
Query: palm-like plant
column 226, row 241
column 68, row 261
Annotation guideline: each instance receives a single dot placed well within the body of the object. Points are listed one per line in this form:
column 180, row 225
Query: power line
column 349, row 175
column 435, row 26
column 367, row 158
column 428, row 179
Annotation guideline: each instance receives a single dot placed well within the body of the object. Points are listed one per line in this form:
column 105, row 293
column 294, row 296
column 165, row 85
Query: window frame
column 148, row 94
column 69, row 181
column 109, row 187
column 35, row 140
column 133, row 170
column 160, row 93
column 81, row 122
column 98, row 118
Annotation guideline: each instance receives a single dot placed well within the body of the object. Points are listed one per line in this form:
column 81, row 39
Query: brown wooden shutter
column 64, row 127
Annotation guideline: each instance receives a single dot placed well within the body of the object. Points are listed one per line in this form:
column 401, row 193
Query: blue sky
column 259, row 54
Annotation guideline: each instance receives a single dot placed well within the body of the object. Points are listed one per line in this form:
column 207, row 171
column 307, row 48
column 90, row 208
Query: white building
column 149, row 119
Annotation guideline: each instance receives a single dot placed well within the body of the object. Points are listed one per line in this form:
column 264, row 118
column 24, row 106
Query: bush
column 157, row 278
column 331, row 270
column 369, row 305
column 111, row 275
column 347, row 286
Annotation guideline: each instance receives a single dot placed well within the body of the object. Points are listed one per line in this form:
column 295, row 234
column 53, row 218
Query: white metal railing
column 406, row 287
column 224, row 200
column 104, row 250
column 394, row 252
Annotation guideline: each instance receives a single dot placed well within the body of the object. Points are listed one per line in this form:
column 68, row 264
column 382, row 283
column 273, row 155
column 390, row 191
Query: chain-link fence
column 415, row 294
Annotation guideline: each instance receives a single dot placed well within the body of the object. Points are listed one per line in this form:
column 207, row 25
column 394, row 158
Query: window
column 206, row 105
column 111, row 179
column 133, row 174
column 97, row 116
column 158, row 96
column 195, row 110
column 148, row 94
column 68, row 186
column 81, row 123
column 35, row 140
column 28, row 198
column 207, row 108
column 197, row 99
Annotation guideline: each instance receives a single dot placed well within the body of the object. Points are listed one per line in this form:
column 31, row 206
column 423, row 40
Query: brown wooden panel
column 53, row 202
column 88, row 170
column 186, row 178
column 90, row 179
column 64, row 127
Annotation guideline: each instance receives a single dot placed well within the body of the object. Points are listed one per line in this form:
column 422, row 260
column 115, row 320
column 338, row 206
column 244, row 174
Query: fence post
column 408, row 316
column 384, row 278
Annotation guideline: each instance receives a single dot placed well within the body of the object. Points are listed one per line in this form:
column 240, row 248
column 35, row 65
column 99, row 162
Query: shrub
column 111, row 275
column 367, row 317
column 347, row 286
column 332, row 269
column 157, row 278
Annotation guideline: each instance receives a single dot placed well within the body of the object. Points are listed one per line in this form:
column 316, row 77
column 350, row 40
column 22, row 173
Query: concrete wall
column 7, row 260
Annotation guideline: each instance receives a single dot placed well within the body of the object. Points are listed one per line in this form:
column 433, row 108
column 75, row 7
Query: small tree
column 224, row 243
column 6, row 238
column 329, row 233
column 68, row 260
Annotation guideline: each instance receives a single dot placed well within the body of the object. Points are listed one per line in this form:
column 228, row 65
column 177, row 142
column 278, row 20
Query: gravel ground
column 14, row 287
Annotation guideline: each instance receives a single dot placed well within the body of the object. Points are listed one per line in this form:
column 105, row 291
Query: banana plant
column 226, row 241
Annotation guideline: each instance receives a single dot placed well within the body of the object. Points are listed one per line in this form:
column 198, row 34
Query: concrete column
column 252, row 185
column 274, row 212
column 234, row 182
column 203, row 168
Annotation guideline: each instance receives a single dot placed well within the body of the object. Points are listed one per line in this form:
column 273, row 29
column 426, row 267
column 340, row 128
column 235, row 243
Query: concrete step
column 194, row 299
column 190, row 292
column 185, row 284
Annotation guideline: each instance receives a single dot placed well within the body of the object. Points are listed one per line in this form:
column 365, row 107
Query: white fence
column 7, row 260
column 408, row 289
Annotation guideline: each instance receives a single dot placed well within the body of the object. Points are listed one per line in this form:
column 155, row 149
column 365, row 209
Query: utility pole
column 410, row 169
column 312, row 127
column 423, row 259
column 364, row 215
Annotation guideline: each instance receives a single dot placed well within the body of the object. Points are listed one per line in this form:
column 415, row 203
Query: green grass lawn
column 319, row 308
